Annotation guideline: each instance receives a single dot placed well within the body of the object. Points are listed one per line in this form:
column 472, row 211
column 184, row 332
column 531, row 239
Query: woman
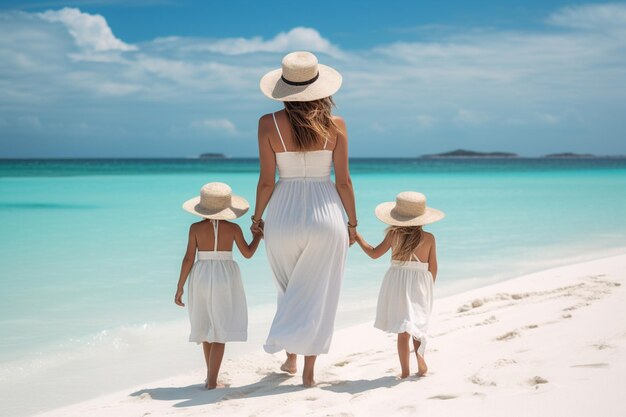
column 306, row 234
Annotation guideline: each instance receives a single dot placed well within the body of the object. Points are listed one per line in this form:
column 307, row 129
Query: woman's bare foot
column 290, row 365
column 207, row 385
column 404, row 375
column 308, row 382
column 422, row 368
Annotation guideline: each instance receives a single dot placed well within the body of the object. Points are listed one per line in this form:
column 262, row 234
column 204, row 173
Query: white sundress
column 216, row 299
column 306, row 240
column 405, row 300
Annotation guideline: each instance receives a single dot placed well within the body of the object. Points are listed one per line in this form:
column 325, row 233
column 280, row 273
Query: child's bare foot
column 290, row 365
column 422, row 368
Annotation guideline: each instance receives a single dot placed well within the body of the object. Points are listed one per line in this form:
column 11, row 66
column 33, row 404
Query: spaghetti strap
column 414, row 256
column 278, row 130
column 216, row 228
column 325, row 143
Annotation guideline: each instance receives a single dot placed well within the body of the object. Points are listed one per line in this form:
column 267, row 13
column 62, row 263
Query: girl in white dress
column 406, row 295
column 310, row 219
column 217, row 302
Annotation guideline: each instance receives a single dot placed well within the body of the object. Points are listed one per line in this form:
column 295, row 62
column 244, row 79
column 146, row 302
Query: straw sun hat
column 217, row 202
column 409, row 209
column 300, row 78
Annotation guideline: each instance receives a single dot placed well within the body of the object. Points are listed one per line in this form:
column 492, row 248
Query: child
column 406, row 295
column 217, row 302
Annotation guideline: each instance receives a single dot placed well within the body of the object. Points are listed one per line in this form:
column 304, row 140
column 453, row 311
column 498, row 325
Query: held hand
column 257, row 228
column 178, row 298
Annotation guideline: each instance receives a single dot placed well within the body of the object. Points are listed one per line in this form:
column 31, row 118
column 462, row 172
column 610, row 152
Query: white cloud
column 470, row 117
column 298, row 38
column 90, row 31
column 218, row 125
column 548, row 119
column 425, row 121
column 29, row 121
column 596, row 16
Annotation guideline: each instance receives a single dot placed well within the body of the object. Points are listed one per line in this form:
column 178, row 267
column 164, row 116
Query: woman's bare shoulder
column 265, row 120
column 428, row 237
column 339, row 121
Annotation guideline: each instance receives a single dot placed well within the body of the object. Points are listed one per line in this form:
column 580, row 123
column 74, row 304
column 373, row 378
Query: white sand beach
column 545, row 344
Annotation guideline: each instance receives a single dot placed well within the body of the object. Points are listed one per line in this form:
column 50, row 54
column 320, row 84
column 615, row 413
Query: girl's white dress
column 306, row 240
column 405, row 300
column 216, row 299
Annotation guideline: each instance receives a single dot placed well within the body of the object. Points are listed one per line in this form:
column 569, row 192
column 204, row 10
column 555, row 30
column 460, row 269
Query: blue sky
column 171, row 78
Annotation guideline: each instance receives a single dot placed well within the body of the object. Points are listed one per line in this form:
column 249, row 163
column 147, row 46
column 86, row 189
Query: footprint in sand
column 531, row 326
column 478, row 302
column 503, row 362
column 342, row 363
column 410, row 409
column 508, row 336
column 442, row 397
column 488, row 320
column 538, row 380
column 591, row 365
column 479, row 381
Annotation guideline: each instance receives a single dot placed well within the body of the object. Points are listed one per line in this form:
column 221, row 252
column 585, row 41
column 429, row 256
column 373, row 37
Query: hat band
column 307, row 82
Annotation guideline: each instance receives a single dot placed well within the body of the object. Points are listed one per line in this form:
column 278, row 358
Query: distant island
column 212, row 155
column 462, row 153
column 567, row 155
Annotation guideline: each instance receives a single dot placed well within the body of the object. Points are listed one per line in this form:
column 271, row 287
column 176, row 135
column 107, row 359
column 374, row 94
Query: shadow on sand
column 360, row 385
column 194, row 395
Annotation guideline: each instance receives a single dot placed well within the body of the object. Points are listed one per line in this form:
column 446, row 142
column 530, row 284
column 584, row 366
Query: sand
column 545, row 344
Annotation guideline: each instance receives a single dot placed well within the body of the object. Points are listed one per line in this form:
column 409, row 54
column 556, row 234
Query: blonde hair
column 311, row 122
column 404, row 240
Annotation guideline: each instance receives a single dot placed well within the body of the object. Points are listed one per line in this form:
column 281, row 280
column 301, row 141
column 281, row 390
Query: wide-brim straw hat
column 301, row 78
column 409, row 209
column 217, row 202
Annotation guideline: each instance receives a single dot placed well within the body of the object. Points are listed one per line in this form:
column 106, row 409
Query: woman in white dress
column 306, row 231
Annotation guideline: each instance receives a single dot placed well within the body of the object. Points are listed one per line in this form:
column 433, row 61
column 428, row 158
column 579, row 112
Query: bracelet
column 353, row 225
column 254, row 220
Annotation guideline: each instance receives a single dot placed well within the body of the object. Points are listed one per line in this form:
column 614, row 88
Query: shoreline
column 356, row 348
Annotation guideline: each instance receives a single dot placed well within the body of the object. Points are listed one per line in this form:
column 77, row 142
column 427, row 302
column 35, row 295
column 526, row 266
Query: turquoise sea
column 90, row 253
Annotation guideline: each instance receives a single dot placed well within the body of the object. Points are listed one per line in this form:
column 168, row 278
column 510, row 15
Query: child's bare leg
column 206, row 348
column 291, row 363
column 215, row 361
column 422, row 368
column 404, row 353
column 308, row 379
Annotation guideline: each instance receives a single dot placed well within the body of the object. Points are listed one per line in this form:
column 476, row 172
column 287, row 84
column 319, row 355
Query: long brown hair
column 311, row 122
column 404, row 240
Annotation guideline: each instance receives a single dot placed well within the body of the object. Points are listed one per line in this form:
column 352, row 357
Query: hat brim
column 328, row 83
column 238, row 207
column 386, row 213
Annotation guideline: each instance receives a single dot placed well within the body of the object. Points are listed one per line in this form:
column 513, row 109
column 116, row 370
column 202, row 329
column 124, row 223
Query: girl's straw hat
column 301, row 78
column 217, row 202
column 409, row 209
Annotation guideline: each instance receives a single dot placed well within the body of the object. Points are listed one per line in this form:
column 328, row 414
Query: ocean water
column 90, row 252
